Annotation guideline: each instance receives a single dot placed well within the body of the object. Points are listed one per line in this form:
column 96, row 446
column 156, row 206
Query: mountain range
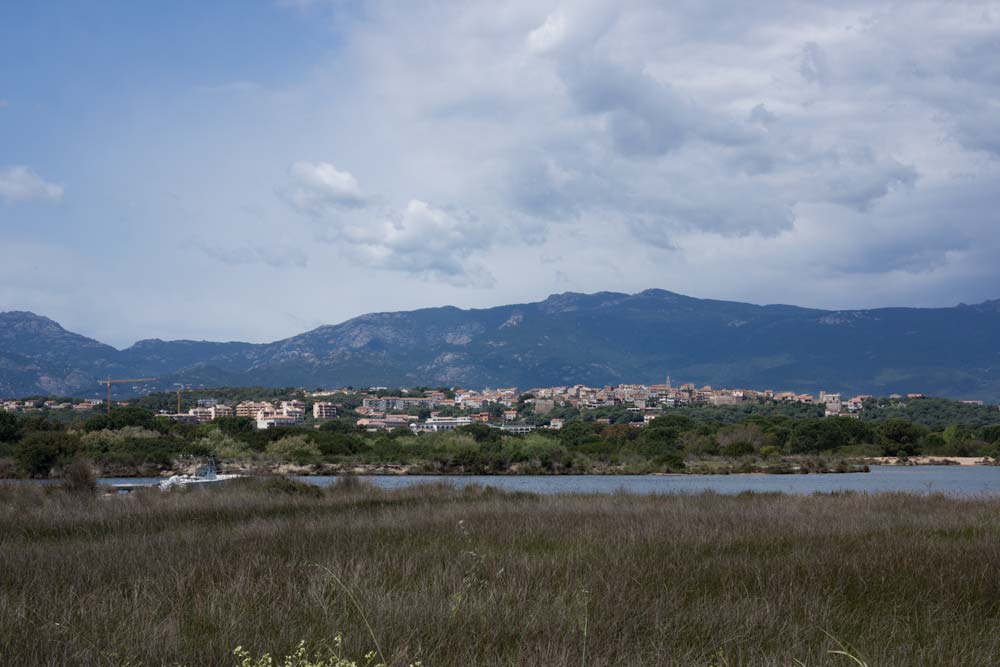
column 570, row 338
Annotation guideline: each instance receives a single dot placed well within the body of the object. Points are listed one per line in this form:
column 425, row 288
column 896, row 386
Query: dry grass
column 477, row 577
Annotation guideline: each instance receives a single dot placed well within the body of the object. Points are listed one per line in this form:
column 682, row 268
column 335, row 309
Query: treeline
column 134, row 441
column 934, row 413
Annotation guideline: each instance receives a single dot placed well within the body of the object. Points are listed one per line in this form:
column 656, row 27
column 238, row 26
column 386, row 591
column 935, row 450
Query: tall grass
column 480, row 577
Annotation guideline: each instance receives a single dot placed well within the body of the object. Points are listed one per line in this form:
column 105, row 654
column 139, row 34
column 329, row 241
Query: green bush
column 296, row 449
column 39, row 452
column 291, row 487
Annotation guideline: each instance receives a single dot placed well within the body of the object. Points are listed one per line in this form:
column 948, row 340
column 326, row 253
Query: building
column 723, row 399
column 293, row 411
column 250, row 409
column 208, row 414
column 517, row 429
column 181, row 418
column 265, row 421
column 201, row 414
column 434, row 424
column 324, row 410
column 398, row 403
column 834, row 404
column 544, row 405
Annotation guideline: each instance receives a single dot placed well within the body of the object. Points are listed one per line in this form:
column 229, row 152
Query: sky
column 248, row 170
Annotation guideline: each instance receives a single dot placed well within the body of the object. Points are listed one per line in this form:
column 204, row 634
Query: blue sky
column 249, row 170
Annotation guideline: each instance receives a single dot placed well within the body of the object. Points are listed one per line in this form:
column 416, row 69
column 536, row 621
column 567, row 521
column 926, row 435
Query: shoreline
column 710, row 468
column 928, row 460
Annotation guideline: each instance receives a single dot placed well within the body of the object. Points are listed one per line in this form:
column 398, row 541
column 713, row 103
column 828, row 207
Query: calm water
column 950, row 480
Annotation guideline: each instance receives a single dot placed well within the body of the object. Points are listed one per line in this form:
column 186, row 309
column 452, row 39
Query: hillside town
column 505, row 408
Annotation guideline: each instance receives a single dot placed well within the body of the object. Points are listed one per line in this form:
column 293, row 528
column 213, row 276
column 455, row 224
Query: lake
column 949, row 480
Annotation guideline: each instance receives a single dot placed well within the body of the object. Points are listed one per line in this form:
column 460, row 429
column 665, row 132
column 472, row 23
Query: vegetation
column 480, row 577
column 133, row 441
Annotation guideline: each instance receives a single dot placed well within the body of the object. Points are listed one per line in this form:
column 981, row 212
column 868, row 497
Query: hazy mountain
column 567, row 338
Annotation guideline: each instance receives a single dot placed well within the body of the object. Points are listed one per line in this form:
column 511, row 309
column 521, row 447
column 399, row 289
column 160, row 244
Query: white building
column 271, row 421
column 324, row 410
column 440, row 424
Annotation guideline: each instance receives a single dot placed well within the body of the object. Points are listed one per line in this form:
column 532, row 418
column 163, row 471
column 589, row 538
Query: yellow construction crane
column 110, row 382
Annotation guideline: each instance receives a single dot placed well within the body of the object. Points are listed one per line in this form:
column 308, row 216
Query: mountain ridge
column 567, row 338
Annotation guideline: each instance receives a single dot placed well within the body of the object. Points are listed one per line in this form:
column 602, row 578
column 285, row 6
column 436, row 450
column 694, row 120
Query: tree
column 41, row 451
column 121, row 417
column 295, row 448
column 338, row 426
column 480, row 432
column 740, row 440
column 899, row 437
column 575, row 434
column 10, row 427
column 811, row 436
column 235, row 426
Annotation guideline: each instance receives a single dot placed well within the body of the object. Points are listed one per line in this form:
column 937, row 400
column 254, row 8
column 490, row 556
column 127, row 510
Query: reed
column 481, row 577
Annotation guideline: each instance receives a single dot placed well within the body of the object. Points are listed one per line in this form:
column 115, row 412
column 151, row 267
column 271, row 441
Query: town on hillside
column 508, row 409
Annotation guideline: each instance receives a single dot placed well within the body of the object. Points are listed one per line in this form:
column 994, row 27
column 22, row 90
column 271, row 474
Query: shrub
column 224, row 446
column 41, row 451
column 336, row 443
column 740, row 440
column 295, row 448
column 291, row 487
column 10, row 427
column 235, row 426
column 899, row 437
column 121, row 417
column 337, row 426
column 79, row 476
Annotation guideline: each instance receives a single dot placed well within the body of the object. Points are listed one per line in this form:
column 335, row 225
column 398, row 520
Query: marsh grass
column 480, row 577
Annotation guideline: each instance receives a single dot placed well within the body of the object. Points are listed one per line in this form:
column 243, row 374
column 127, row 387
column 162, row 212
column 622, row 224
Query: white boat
column 204, row 476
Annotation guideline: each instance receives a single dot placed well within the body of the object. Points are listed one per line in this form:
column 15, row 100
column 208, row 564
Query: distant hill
column 569, row 338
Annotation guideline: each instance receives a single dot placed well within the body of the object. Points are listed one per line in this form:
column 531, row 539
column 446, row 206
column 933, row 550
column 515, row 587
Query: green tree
column 296, row 449
column 236, row 427
column 10, row 427
column 121, row 417
column 41, row 451
column 899, row 437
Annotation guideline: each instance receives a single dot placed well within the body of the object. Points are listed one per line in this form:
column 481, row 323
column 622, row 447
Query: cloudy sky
column 249, row 170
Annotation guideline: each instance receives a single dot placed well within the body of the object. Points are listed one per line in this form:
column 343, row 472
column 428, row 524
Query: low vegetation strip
column 441, row 576
column 132, row 441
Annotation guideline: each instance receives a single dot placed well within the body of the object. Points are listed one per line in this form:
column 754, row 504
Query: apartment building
column 208, row 414
column 324, row 410
column 250, row 408
column 440, row 424
column 398, row 403
column 265, row 421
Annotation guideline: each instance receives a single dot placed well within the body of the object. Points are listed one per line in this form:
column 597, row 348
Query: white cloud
column 317, row 188
column 21, row 184
column 830, row 154
column 420, row 239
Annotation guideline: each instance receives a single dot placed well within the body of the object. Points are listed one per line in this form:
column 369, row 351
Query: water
column 949, row 480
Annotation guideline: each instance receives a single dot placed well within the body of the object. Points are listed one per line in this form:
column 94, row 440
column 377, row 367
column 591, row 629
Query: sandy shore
column 930, row 460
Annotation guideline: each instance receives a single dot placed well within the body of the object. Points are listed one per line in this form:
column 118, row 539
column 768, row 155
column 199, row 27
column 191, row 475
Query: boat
column 206, row 475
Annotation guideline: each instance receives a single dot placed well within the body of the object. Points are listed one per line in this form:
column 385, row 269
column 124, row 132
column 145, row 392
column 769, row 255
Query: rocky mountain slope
column 568, row 338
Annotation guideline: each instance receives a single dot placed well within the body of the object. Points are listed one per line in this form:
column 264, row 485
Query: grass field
column 478, row 577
